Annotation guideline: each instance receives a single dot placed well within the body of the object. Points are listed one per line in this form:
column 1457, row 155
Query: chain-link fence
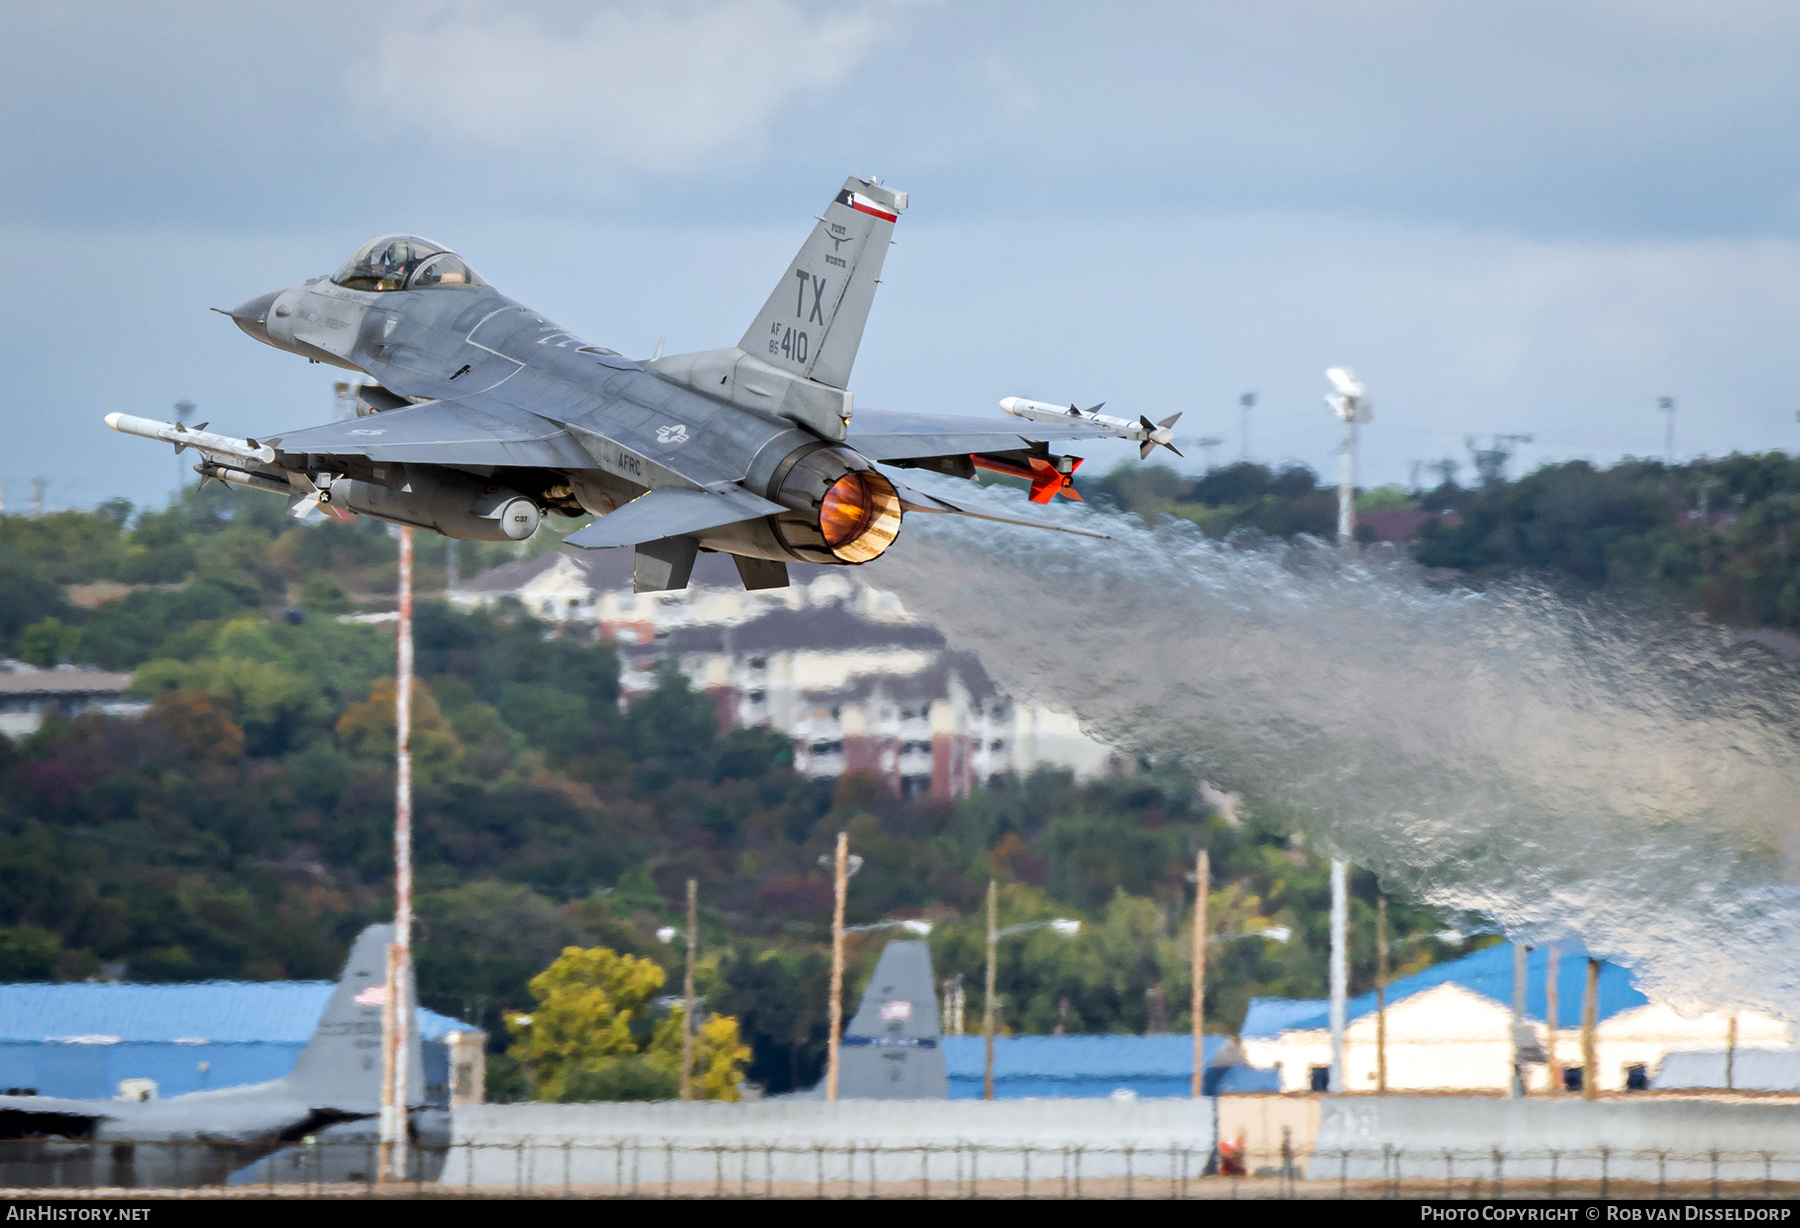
column 670, row 1168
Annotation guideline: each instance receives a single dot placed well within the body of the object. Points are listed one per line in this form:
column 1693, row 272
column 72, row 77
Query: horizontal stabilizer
column 671, row 512
column 918, row 501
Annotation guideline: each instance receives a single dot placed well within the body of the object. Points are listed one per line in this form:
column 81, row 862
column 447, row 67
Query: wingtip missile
column 1149, row 434
column 184, row 437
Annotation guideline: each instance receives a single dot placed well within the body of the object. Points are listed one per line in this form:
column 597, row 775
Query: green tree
column 320, row 594
column 592, row 1033
column 48, row 642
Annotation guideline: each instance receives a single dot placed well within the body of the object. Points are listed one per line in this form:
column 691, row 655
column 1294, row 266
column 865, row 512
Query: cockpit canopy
column 403, row 262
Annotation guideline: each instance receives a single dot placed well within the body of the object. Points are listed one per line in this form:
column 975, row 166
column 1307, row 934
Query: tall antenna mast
column 1351, row 406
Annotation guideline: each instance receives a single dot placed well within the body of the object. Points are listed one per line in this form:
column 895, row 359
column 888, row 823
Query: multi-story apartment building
column 837, row 665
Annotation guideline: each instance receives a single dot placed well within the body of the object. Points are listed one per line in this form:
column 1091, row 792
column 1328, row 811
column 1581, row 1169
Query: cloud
column 663, row 88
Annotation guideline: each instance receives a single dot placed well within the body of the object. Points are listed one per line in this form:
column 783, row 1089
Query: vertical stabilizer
column 340, row 1068
column 813, row 322
column 890, row 1050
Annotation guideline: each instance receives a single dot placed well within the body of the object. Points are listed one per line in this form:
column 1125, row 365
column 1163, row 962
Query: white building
column 1449, row 1028
column 29, row 694
column 838, row 666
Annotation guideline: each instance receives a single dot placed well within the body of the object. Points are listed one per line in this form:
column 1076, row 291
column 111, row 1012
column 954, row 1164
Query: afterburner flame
column 846, row 511
column 859, row 516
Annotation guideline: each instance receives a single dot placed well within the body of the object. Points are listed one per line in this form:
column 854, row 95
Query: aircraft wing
column 891, row 436
column 471, row 432
column 49, row 1116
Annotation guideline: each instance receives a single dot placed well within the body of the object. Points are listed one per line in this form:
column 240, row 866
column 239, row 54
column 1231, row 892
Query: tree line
column 242, row 827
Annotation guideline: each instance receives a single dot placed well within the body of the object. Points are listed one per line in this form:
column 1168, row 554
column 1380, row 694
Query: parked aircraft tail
column 340, row 1068
column 813, row 322
column 890, row 1050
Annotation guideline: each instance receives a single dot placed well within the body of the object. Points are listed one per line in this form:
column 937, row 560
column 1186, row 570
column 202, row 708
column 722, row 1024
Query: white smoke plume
column 1571, row 771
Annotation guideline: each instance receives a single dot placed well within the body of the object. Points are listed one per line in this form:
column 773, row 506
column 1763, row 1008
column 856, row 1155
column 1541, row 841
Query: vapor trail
column 1569, row 770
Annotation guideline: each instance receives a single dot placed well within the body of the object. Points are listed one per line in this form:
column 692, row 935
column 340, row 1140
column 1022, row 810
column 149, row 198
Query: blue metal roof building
column 1096, row 1066
column 1488, row 972
column 79, row 1041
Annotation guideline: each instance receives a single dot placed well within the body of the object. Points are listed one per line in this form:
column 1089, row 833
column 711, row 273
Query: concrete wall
column 804, row 1141
column 1439, row 1136
column 1265, row 1123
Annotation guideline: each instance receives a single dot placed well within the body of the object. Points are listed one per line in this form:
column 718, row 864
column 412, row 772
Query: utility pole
column 1340, row 968
column 1521, row 957
column 993, row 944
column 1550, row 1018
column 1731, row 1037
column 840, row 884
column 1381, row 979
column 1246, row 403
column 1351, row 406
column 397, row 1015
column 1590, row 1009
column 1202, row 878
column 687, row 992
column 1666, row 407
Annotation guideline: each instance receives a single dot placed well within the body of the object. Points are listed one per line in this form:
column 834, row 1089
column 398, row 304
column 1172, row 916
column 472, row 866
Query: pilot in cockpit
column 401, row 262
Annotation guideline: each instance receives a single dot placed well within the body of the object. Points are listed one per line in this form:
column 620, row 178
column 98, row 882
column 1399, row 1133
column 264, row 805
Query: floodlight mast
column 1351, row 406
column 1349, row 402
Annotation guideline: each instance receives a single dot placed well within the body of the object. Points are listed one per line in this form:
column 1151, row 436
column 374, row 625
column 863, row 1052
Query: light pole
column 1383, row 948
column 1381, row 976
column 1521, row 962
column 987, row 1006
column 1340, row 969
column 1202, row 879
column 666, row 934
column 843, row 866
column 396, row 1016
column 1351, row 406
column 687, row 992
column 1061, row 925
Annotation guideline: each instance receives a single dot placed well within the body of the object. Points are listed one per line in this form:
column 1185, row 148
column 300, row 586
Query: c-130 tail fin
column 341, row 1066
column 813, row 322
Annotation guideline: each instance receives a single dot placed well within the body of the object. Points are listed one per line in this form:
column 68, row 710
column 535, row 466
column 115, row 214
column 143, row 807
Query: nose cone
column 253, row 316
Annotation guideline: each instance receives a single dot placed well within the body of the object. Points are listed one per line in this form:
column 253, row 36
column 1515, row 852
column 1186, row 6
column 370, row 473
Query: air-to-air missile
column 1143, row 432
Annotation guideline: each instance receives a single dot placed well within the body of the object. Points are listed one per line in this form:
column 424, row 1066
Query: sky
column 1511, row 218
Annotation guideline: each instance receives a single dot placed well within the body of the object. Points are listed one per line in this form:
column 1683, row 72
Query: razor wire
column 665, row 1167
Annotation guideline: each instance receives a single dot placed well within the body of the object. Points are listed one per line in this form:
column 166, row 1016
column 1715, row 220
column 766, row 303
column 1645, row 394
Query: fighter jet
column 484, row 415
column 200, row 1138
